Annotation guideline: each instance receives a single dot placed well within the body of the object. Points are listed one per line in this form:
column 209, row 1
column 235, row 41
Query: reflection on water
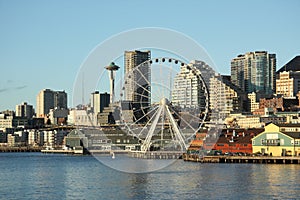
column 49, row 176
column 128, row 164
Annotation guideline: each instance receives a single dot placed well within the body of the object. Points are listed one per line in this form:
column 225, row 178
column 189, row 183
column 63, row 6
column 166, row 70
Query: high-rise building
column 288, row 78
column 136, row 83
column 254, row 72
column 137, row 87
column 24, row 110
column 188, row 90
column 99, row 101
column 292, row 65
column 60, row 99
column 225, row 98
column 288, row 83
column 48, row 99
column 206, row 71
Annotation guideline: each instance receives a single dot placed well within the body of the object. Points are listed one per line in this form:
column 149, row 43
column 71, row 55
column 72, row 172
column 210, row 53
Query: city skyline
column 44, row 44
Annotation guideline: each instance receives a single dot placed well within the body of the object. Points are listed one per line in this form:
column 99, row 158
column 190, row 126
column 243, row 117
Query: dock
column 156, row 154
column 243, row 159
column 20, row 149
column 63, row 151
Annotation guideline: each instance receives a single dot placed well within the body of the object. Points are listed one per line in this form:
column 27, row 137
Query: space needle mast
column 112, row 68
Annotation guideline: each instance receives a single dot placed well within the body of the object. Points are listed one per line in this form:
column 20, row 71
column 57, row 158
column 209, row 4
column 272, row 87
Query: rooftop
column 292, row 65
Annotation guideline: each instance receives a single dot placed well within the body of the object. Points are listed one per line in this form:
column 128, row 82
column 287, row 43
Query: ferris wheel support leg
column 147, row 142
column 176, row 130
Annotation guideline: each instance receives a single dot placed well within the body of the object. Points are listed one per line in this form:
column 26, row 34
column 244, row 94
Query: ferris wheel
column 163, row 103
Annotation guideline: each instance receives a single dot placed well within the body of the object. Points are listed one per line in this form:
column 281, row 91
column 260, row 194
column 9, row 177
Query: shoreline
column 243, row 159
column 185, row 157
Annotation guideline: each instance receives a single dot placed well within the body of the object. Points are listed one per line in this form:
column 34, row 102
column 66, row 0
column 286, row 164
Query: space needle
column 112, row 68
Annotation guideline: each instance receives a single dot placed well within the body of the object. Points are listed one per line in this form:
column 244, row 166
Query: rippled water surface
column 53, row 176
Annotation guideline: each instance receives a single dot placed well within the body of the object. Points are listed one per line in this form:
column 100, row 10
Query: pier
column 156, row 154
column 243, row 159
column 20, row 149
column 61, row 151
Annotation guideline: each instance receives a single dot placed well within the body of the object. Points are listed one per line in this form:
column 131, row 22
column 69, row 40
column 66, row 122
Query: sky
column 43, row 43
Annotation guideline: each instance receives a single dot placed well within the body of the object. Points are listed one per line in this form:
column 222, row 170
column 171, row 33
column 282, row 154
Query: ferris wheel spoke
column 195, row 118
column 149, row 121
column 142, row 96
column 162, row 123
column 160, row 94
column 181, row 118
column 171, row 132
column 148, row 113
column 142, row 107
column 163, row 79
column 149, row 92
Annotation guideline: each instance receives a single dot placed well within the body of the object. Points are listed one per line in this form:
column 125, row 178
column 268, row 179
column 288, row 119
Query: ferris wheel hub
column 164, row 101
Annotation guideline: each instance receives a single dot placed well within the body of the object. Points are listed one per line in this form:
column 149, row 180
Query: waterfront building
column 277, row 141
column 33, row 138
column 99, row 101
column 137, row 87
column 188, row 91
column 75, row 139
column 224, row 97
column 54, row 138
column 254, row 72
column 24, row 110
column 105, row 139
column 48, row 99
column 232, row 141
column 288, row 83
column 3, row 137
column 13, row 140
column 236, row 141
column 198, row 141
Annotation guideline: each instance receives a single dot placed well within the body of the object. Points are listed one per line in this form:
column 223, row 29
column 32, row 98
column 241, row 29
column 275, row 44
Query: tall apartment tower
column 188, row 90
column 132, row 60
column 24, row 110
column 137, row 87
column 254, row 72
column 225, row 98
column 48, row 99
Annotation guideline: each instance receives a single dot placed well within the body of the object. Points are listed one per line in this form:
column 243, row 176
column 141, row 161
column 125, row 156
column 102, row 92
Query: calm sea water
column 53, row 176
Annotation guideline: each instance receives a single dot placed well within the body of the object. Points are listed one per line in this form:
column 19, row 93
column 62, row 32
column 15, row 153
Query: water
column 52, row 176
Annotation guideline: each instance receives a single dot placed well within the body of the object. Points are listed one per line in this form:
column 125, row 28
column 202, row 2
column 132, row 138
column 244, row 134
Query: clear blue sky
column 43, row 42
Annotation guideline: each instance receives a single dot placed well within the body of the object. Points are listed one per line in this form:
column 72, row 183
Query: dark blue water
column 52, row 176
